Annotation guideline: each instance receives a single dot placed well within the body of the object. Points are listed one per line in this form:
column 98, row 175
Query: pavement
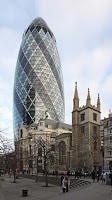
column 37, row 191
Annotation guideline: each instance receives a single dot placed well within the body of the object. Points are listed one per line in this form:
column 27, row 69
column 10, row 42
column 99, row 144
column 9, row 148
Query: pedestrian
column 63, row 185
column 103, row 177
column 62, row 177
column 67, row 182
column 98, row 175
column 106, row 178
column 110, row 176
column 93, row 174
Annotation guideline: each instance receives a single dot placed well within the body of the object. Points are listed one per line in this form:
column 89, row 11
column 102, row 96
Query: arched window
column 21, row 133
column 62, row 153
column 110, row 165
column 95, row 145
column 52, row 160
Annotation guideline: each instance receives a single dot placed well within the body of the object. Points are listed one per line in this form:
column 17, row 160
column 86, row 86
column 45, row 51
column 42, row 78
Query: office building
column 38, row 85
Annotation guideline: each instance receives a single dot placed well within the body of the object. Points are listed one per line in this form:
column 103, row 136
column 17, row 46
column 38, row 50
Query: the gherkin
column 38, row 85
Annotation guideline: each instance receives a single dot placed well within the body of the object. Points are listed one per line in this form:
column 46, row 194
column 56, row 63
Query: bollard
column 24, row 193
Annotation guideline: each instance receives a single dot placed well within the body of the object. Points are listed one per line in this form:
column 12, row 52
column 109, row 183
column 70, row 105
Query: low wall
column 56, row 180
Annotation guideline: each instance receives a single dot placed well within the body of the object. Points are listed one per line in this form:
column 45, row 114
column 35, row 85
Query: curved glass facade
column 38, row 85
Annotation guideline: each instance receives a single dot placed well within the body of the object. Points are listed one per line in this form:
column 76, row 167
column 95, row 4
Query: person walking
column 93, row 174
column 103, row 177
column 98, row 175
column 63, row 185
column 67, row 182
column 62, row 177
column 106, row 178
column 110, row 176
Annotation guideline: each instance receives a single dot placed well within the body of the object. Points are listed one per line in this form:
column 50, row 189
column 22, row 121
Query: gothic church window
column 30, row 163
column 21, row 133
column 94, row 116
column 30, row 149
column 110, row 140
column 40, row 151
column 82, row 116
column 94, row 132
column 52, row 160
column 62, row 153
column 95, row 145
column 82, row 129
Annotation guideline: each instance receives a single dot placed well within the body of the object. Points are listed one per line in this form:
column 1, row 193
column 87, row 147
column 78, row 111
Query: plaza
column 37, row 191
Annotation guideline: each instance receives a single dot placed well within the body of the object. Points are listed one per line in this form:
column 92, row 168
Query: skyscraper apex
column 39, row 23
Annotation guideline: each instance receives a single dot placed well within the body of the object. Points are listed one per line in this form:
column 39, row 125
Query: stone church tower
column 86, row 146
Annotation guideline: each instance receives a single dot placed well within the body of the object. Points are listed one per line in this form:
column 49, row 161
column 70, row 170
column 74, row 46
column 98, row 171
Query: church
column 75, row 147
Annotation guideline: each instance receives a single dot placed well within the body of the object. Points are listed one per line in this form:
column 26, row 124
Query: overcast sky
column 83, row 31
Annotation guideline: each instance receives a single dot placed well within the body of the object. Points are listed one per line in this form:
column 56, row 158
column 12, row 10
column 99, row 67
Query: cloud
column 6, row 114
column 83, row 33
column 76, row 16
column 10, row 42
column 91, row 69
column 16, row 14
column 89, row 65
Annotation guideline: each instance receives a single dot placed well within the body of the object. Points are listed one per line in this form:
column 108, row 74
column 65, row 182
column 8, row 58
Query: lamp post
column 45, row 166
column 102, row 150
column 36, row 159
column 37, row 170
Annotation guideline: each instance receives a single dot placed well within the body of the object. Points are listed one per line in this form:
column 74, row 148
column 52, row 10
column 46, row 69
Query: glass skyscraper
column 38, row 85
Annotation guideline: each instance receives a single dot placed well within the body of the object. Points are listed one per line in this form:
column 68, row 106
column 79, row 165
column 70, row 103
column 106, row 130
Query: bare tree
column 7, row 155
column 44, row 150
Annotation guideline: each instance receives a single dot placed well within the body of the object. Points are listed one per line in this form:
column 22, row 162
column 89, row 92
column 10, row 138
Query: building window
column 52, row 147
column 94, row 132
column 82, row 116
column 111, row 130
column 30, row 149
column 40, row 151
column 110, row 140
column 41, row 124
column 94, row 129
column 21, row 152
column 62, row 153
column 21, row 133
column 95, row 145
column 94, row 116
column 49, row 126
column 82, row 129
column 47, row 138
column 30, row 163
column 52, row 138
